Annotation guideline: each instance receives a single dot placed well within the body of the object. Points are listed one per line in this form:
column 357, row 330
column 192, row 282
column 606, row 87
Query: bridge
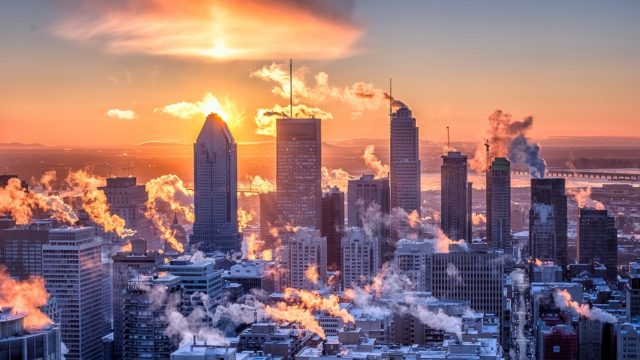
column 596, row 175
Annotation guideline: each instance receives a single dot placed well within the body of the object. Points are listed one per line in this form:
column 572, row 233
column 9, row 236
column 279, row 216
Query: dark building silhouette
column 21, row 248
column 298, row 171
column 551, row 192
column 499, row 205
column 405, row 161
column 333, row 225
column 454, row 205
column 268, row 217
column 216, row 187
column 598, row 239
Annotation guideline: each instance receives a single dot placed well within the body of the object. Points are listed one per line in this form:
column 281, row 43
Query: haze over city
column 319, row 180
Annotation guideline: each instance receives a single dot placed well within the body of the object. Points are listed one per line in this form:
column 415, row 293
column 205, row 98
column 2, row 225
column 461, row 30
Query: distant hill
column 15, row 145
column 591, row 141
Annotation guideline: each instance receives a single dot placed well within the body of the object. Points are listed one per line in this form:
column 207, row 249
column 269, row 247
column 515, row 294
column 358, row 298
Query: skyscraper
column 21, row 248
column 542, row 233
column 551, row 191
column 298, row 171
column 360, row 257
column 306, row 249
column 598, row 239
column 405, row 161
column 453, row 209
column 73, row 272
column 363, row 193
column 126, row 266
column 268, row 217
column 413, row 259
column 216, row 186
column 127, row 200
column 499, row 205
column 333, row 225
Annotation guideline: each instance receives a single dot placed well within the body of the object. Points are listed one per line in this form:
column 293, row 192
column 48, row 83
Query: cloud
column 223, row 30
column 121, row 114
column 185, row 110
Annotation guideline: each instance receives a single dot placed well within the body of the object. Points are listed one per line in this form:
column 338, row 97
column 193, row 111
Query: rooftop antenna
column 486, row 145
column 291, row 88
column 448, row 141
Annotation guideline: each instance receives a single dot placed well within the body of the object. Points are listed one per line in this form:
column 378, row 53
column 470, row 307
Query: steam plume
column 22, row 204
column 265, row 118
column 563, row 301
column 583, row 198
column 25, row 297
column 371, row 160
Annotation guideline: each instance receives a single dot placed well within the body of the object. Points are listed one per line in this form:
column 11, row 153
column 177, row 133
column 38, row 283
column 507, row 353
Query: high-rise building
column 360, row 258
column 298, row 171
column 268, row 217
column 144, row 319
column 598, row 239
column 551, row 192
column 17, row 342
column 216, row 187
column 413, row 259
column 475, row 275
column 405, row 161
column 21, row 248
column 73, row 273
column 499, row 205
column 362, row 194
column 127, row 200
column 632, row 296
column 333, row 225
column 201, row 283
column 252, row 275
column 305, row 253
column 126, row 266
column 453, row 205
column 542, row 233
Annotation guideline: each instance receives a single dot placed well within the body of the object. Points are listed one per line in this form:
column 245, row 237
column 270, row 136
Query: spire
column 175, row 218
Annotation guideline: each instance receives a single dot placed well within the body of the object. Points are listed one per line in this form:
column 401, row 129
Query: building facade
column 216, row 188
column 498, row 195
column 598, row 239
column 551, row 192
column 333, row 225
column 405, row 161
column 454, row 205
column 306, row 249
column 360, row 258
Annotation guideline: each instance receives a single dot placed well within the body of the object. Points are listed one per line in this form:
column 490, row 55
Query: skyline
column 572, row 68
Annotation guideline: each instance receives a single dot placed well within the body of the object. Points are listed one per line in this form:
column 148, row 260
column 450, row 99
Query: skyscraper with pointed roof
column 216, row 186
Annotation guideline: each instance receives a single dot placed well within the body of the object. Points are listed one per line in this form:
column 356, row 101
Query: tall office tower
column 469, row 211
column 362, row 194
column 268, row 217
column 598, row 239
column 144, row 319
column 542, row 233
column 360, row 258
column 126, row 266
column 499, row 205
column 21, row 248
column 413, row 259
column 453, row 195
column 632, row 296
column 551, row 192
column 333, row 225
column 201, row 283
column 405, row 161
column 73, row 271
column 127, row 200
column 298, row 172
column 18, row 342
column 216, row 186
column 305, row 251
column 475, row 275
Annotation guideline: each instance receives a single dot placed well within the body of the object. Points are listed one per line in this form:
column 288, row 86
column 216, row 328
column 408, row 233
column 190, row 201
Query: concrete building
column 197, row 276
column 559, row 342
column 362, row 194
column 19, row 343
column 74, row 276
column 453, row 199
column 144, row 319
column 216, row 187
column 551, row 192
column 628, row 341
column 360, row 258
column 413, row 259
column 298, row 171
column 542, row 236
column 306, row 249
column 475, row 275
column 632, row 296
column 128, row 200
column 252, row 275
column 498, row 195
column 333, row 225
column 598, row 239
column 405, row 161
column 275, row 340
column 21, row 248
column 126, row 266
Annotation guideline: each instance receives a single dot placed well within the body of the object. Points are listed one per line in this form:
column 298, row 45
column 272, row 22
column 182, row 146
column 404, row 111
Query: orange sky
column 574, row 67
